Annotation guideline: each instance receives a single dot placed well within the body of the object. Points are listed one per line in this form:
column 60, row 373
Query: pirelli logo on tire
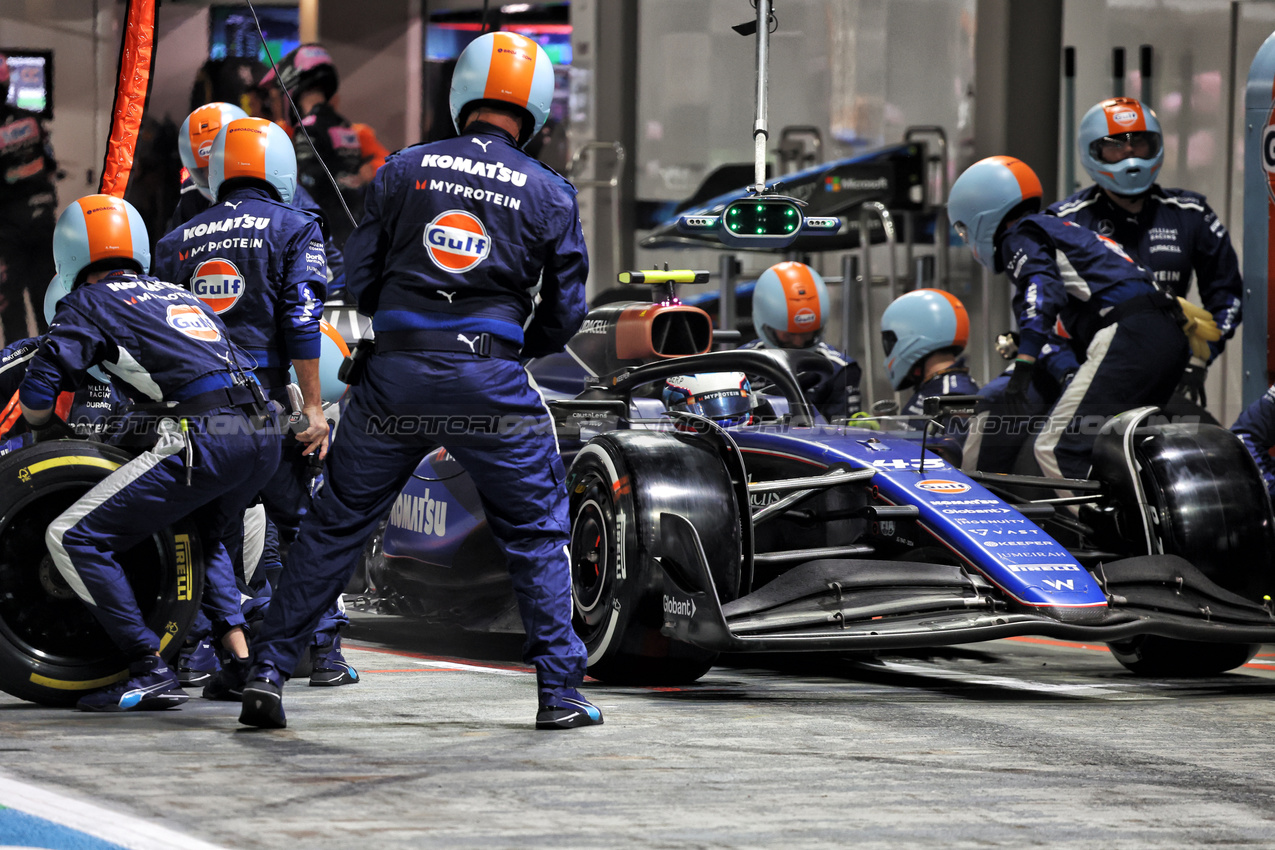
column 185, row 570
column 25, row 473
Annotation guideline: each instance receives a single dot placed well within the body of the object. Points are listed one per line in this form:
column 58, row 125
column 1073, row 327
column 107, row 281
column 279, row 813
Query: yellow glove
column 864, row 420
column 1200, row 328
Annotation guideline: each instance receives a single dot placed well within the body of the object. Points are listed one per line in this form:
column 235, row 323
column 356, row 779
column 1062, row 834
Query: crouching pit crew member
column 448, row 277
column 924, row 334
column 1125, row 331
column 259, row 264
column 214, row 448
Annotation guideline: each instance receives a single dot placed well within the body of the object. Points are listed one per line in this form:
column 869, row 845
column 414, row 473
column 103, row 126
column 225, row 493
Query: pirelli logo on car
column 185, row 570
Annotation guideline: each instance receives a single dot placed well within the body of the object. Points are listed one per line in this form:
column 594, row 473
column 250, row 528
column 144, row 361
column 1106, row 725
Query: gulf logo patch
column 805, row 318
column 942, row 486
column 218, row 284
column 192, row 321
column 1125, row 117
column 457, row 241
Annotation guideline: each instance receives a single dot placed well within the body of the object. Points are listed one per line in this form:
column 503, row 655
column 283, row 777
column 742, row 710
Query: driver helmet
column 99, row 231
column 195, row 141
column 724, row 397
column 915, row 326
column 308, row 66
column 789, row 298
column 989, row 193
column 254, row 148
column 1121, row 145
column 506, row 69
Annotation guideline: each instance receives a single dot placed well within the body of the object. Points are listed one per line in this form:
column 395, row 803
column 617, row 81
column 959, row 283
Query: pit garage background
column 655, row 95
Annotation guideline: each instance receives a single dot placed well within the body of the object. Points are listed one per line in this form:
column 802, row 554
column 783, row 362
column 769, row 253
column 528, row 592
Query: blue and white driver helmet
column 916, row 325
column 257, row 149
column 724, row 397
column 983, row 197
column 507, row 68
column 1121, row 146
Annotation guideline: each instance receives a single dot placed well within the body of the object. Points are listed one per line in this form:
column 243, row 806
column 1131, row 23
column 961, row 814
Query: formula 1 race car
column 689, row 539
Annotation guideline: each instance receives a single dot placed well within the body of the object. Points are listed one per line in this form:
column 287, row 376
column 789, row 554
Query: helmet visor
column 1121, row 146
column 889, row 339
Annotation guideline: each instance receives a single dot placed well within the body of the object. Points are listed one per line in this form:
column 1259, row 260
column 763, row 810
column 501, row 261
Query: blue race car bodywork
column 790, row 533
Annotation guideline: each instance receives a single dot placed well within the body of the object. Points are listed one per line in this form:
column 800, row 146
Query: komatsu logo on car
column 457, row 241
column 420, row 514
column 679, row 607
column 947, row 502
column 942, row 485
column 218, row 284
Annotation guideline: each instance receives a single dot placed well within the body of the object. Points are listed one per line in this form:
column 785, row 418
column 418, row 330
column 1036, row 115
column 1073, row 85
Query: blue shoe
column 150, row 686
column 263, row 699
column 566, row 708
column 198, row 665
column 228, row 684
column 329, row 668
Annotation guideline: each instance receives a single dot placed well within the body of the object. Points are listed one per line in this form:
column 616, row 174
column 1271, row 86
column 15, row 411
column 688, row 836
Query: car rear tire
column 1153, row 655
column 618, row 486
column 52, row 649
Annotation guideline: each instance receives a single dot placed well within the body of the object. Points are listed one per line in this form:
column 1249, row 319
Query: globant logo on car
column 457, row 241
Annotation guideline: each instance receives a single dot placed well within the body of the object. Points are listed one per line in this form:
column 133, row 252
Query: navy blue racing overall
column 208, row 461
column 1123, row 329
column 260, row 265
column 457, row 238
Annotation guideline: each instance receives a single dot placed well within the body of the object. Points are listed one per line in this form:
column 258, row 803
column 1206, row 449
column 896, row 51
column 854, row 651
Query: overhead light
column 515, row 8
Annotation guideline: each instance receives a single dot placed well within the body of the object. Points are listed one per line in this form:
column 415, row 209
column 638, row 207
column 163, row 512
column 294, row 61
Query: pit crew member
column 259, row 264
column 457, row 237
column 1125, row 331
column 214, row 446
column 28, row 206
column 194, row 144
column 1173, row 233
column 924, row 334
column 790, row 303
column 1256, row 428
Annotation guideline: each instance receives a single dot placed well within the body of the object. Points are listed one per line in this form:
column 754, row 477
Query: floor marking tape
column 124, row 830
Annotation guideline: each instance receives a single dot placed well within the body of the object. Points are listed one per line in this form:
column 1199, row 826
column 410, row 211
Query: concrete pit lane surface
column 1014, row 743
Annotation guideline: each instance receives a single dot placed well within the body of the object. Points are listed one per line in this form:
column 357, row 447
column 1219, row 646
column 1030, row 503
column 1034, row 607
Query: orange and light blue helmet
column 505, row 68
column 789, row 297
column 97, row 228
column 195, row 140
column 984, row 196
column 255, row 148
column 332, row 353
column 916, row 325
column 1116, row 121
column 724, row 397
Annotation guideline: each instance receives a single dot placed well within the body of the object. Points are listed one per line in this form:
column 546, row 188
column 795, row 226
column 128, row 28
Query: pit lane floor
column 1011, row 743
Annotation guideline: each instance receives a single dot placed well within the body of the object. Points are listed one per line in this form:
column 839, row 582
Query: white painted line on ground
column 1089, row 691
column 473, row 668
column 124, row 830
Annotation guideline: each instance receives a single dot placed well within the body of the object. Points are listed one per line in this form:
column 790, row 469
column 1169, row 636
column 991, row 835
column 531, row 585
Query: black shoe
column 197, row 665
column 329, row 668
column 566, row 708
column 263, row 700
column 150, row 686
column 227, row 685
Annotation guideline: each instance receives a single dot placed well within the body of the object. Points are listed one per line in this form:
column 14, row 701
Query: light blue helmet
column 982, row 197
column 918, row 324
column 97, row 228
column 55, row 292
column 1121, row 126
column 195, row 140
column 789, row 297
column 332, row 353
column 257, row 149
column 508, row 69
